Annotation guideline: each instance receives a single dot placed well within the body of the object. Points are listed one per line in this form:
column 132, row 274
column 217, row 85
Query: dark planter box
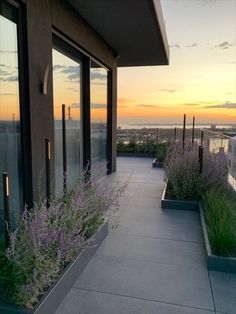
column 135, row 155
column 157, row 164
column 177, row 204
column 214, row 262
column 53, row 297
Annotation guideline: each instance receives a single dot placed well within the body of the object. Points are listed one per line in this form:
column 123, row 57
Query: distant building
column 232, row 156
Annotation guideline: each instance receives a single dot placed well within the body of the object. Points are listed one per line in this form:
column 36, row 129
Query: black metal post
column 64, row 157
column 184, row 127
column 193, row 130
column 201, row 138
column 157, row 136
column 5, row 181
column 175, row 134
column 200, row 156
column 48, row 180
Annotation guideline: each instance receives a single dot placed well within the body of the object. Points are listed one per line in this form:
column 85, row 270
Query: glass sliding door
column 66, row 91
column 10, row 131
column 98, row 115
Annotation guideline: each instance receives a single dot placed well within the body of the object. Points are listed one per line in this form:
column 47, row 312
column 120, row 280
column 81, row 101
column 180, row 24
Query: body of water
column 170, row 126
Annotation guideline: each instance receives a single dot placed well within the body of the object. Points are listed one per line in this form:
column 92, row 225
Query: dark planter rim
column 177, row 204
column 157, row 164
column 79, row 263
column 215, row 262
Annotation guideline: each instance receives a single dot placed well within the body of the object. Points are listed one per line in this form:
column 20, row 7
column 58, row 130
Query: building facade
column 58, row 87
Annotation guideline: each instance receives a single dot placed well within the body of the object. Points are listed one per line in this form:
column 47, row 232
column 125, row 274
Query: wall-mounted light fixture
column 44, row 86
column 5, row 181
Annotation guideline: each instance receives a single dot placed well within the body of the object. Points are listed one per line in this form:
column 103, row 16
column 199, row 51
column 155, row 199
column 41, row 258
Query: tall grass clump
column 47, row 239
column 185, row 182
column 220, row 216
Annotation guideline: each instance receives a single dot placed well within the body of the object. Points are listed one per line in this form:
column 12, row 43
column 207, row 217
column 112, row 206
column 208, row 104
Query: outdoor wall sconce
column 7, row 226
column 44, row 86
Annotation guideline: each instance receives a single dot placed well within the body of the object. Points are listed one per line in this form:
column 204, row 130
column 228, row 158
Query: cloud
column 149, row 106
column 174, row 46
column 230, row 62
column 98, row 83
column 9, row 79
column 57, row 67
column 97, row 75
column 122, row 106
column 192, row 104
column 227, row 105
column 73, row 69
column 8, row 51
column 123, row 100
column 74, row 105
column 223, row 45
column 193, row 45
column 74, row 77
column 6, row 94
column 6, row 70
column 167, row 90
column 98, row 106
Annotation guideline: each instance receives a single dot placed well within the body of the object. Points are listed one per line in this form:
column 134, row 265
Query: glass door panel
column 10, row 134
column 66, row 91
column 98, row 114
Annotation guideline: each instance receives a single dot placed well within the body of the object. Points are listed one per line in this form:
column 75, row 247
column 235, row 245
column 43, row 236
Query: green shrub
column 221, row 221
column 161, row 150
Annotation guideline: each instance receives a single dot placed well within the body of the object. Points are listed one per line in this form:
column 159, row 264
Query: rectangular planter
column 214, row 262
column 177, row 204
column 53, row 297
column 157, row 164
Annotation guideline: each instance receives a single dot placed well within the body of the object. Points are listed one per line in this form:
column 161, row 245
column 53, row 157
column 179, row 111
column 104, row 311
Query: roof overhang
column 134, row 29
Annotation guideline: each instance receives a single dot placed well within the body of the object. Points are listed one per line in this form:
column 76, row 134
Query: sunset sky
column 201, row 77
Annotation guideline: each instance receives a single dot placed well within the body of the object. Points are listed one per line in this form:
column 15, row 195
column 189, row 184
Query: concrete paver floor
column 153, row 261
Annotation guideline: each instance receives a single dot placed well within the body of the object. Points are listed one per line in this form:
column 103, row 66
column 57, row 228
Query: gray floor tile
column 148, row 227
column 224, row 289
column 89, row 302
column 150, row 249
column 152, row 262
column 176, row 284
column 162, row 216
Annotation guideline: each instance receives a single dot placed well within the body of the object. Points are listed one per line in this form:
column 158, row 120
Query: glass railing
column 223, row 143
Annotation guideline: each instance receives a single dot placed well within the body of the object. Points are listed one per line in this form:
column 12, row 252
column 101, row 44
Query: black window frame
column 68, row 47
column 24, row 106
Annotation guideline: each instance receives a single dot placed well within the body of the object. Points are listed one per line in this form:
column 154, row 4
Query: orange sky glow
column 201, row 78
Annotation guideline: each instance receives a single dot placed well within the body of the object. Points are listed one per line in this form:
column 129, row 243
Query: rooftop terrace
column 153, row 261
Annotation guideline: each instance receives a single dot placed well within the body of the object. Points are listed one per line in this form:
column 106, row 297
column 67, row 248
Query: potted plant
column 218, row 218
column 185, row 182
column 52, row 245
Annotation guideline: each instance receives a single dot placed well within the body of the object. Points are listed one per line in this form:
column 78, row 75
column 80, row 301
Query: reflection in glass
column 98, row 94
column 66, row 90
column 10, row 137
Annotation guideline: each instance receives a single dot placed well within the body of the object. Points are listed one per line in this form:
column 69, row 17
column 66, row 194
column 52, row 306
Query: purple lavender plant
column 49, row 238
column 182, row 171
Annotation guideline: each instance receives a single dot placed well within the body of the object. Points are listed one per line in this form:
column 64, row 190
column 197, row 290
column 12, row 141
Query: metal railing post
column 64, row 148
column 184, row 127
column 200, row 156
column 193, row 130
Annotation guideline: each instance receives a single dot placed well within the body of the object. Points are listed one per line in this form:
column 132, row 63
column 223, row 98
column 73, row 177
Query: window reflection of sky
column 9, row 87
